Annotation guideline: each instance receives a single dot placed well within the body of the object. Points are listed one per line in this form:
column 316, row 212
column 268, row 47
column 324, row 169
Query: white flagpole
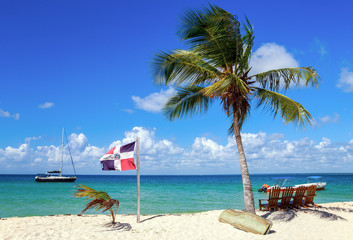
column 138, row 177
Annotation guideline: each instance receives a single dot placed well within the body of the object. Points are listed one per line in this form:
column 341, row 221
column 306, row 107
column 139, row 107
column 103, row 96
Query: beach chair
column 309, row 197
column 273, row 197
column 287, row 194
column 298, row 197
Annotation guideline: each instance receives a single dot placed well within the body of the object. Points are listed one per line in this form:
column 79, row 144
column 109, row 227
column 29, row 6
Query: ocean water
column 21, row 196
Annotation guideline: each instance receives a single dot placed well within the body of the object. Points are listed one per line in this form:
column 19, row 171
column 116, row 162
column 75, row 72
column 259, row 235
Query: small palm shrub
column 99, row 200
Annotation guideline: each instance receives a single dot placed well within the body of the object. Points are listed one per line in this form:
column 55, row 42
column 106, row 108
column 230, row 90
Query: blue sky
column 85, row 66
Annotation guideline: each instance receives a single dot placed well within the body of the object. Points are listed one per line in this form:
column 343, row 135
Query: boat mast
column 62, row 152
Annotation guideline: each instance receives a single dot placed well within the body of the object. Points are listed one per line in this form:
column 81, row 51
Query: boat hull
column 319, row 187
column 55, row 179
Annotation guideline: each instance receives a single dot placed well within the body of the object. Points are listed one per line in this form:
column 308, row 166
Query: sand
column 330, row 221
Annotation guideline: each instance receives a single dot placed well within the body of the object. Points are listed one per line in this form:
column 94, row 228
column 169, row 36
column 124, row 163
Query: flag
column 119, row 158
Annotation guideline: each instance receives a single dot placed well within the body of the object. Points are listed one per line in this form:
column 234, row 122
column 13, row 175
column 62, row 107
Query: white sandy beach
column 331, row 221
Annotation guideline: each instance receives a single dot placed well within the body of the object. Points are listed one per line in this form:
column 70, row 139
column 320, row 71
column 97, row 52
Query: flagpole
column 138, row 177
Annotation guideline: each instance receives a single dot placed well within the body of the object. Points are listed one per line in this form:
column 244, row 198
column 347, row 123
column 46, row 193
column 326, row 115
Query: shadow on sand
column 160, row 215
column 118, row 226
column 321, row 212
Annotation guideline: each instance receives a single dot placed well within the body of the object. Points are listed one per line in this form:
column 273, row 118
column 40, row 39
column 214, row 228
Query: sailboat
column 56, row 175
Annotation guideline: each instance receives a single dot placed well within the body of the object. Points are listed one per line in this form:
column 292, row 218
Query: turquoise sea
column 21, row 196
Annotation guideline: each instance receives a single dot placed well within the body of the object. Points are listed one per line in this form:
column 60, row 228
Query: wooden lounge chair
column 298, row 197
column 273, row 197
column 287, row 194
column 309, row 197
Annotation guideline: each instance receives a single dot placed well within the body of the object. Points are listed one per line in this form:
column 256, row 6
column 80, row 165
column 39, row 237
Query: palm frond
column 95, row 203
column 198, row 25
column 100, row 200
column 110, row 203
column 84, row 191
column 187, row 101
column 227, row 83
column 248, row 42
column 214, row 32
column 180, row 67
column 290, row 110
column 278, row 79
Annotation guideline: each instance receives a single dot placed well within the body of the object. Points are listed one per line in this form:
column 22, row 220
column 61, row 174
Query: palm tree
column 100, row 200
column 216, row 68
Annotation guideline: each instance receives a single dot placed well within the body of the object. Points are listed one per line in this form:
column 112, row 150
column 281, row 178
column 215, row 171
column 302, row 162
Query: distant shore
column 330, row 221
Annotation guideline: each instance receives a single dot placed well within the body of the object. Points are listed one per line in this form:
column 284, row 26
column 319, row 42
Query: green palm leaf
column 214, row 32
column 182, row 66
column 227, row 84
column 84, row 191
column 278, row 79
column 187, row 101
column 290, row 110
column 248, row 42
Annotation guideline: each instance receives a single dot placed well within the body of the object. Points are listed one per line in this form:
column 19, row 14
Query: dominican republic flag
column 119, row 158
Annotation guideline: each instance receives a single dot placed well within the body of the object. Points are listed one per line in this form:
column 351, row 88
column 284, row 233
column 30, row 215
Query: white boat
column 320, row 185
column 55, row 175
column 283, row 182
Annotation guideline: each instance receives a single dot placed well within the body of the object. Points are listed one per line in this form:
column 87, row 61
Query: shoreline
column 330, row 221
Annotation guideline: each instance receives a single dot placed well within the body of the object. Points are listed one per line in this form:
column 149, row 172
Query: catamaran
column 55, row 175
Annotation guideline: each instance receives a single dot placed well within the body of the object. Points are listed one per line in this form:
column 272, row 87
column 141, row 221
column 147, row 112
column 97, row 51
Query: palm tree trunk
column 113, row 215
column 248, row 195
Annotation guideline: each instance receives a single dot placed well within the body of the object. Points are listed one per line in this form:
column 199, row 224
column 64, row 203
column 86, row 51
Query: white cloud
column 129, row 111
column 271, row 56
column 29, row 139
column 321, row 47
column 15, row 116
column 324, row 143
column 328, row 119
column 46, row 105
column 15, row 154
column 345, row 82
column 265, row 154
column 153, row 102
column 149, row 145
column 322, row 50
column 78, row 142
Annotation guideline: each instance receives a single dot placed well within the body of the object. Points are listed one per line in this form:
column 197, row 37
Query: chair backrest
column 299, row 195
column 273, row 196
column 311, row 190
column 287, row 194
column 310, row 194
column 300, row 191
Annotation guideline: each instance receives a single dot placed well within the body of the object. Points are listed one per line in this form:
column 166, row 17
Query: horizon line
column 239, row 174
